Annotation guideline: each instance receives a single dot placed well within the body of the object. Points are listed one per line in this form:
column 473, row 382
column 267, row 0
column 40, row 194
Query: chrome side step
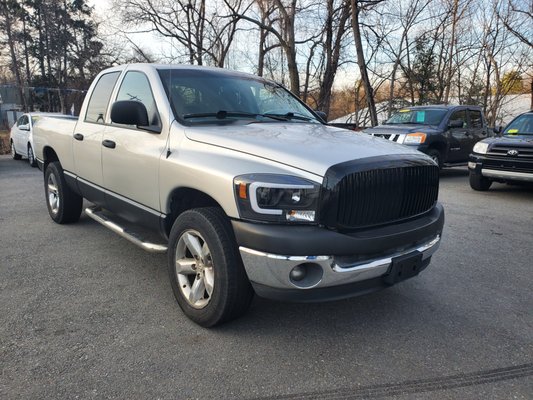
column 97, row 214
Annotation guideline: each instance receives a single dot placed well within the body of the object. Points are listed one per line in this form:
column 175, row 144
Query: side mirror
column 129, row 112
column 24, row 127
column 456, row 123
column 323, row 116
column 497, row 129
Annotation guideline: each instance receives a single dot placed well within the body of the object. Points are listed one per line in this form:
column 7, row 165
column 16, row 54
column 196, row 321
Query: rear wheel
column 64, row 205
column 479, row 182
column 31, row 157
column 14, row 152
column 205, row 268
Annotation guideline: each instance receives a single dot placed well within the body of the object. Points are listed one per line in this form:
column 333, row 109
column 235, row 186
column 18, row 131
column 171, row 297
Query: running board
column 97, row 214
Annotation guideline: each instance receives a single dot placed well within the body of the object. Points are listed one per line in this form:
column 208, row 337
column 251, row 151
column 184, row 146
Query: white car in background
column 21, row 136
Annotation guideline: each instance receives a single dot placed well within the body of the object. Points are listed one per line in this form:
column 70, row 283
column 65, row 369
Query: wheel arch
column 49, row 155
column 185, row 198
column 440, row 146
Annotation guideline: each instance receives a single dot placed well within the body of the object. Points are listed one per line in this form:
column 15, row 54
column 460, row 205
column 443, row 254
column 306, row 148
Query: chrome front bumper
column 273, row 270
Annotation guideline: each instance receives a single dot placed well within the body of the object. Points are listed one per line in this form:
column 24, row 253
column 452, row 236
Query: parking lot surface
column 86, row 314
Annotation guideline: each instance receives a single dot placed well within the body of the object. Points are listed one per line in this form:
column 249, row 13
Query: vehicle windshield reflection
column 205, row 96
column 523, row 125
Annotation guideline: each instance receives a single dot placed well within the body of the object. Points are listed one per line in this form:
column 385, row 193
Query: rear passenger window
column 100, row 98
column 475, row 119
column 136, row 87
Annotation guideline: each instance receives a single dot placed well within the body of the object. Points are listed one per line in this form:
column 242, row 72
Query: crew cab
column 248, row 190
column 446, row 133
column 504, row 159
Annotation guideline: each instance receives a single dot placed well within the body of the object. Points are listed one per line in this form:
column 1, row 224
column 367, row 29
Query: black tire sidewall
column 479, row 182
column 14, row 153
column 69, row 202
column 31, row 160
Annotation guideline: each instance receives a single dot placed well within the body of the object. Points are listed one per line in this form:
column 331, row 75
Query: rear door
column 477, row 130
column 87, row 142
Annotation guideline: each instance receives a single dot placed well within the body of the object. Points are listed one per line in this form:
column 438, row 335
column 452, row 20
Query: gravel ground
column 86, row 314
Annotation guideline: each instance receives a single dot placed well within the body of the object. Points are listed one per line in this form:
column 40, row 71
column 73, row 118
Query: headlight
column 481, row 148
column 415, row 138
column 276, row 198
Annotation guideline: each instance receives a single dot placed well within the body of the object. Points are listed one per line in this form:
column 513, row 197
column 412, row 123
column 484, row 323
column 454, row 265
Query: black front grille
column 522, row 152
column 383, row 195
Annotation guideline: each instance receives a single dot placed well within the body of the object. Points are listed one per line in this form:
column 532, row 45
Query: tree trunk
column 7, row 14
column 369, row 94
column 450, row 55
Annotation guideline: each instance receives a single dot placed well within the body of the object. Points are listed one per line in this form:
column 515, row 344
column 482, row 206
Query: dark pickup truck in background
column 445, row 133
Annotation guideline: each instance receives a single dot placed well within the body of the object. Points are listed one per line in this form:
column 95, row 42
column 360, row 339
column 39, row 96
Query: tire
column 479, row 182
column 14, row 153
column 64, row 205
column 210, row 284
column 31, row 157
column 436, row 156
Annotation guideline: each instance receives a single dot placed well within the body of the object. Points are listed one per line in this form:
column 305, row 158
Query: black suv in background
column 445, row 133
column 506, row 159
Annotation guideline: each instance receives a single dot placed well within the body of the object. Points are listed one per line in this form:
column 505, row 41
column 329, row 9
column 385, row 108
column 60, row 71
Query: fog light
column 471, row 165
column 298, row 273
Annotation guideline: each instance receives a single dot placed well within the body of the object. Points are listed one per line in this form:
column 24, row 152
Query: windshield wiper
column 288, row 116
column 222, row 114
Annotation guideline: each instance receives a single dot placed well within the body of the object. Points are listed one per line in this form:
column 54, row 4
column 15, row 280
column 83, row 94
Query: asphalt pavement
column 86, row 314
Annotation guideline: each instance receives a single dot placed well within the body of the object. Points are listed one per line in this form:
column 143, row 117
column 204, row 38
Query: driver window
column 22, row 120
column 460, row 116
column 136, row 87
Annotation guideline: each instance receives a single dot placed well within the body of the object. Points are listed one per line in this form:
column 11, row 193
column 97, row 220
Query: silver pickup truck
column 248, row 189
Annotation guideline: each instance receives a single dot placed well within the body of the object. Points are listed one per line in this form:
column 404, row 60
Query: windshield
column 522, row 125
column 427, row 116
column 198, row 96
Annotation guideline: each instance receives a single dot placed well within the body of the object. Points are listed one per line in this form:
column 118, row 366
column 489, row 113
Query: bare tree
column 356, row 8
column 9, row 10
column 204, row 30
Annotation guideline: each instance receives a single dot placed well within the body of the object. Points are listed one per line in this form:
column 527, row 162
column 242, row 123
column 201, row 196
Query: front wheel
column 205, row 268
column 31, row 157
column 14, row 153
column 479, row 182
column 64, row 205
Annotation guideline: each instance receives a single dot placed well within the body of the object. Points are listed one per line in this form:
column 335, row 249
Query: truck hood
column 310, row 147
column 511, row 140
column 399, row 129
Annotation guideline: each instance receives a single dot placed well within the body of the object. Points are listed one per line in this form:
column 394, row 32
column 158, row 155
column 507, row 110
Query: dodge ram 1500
column 249, row 190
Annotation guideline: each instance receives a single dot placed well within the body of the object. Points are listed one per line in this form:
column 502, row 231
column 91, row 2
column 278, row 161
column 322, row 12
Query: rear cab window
column 100, row 96
column 476, row 119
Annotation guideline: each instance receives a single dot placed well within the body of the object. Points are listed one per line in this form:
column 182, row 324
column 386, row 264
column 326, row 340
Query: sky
column 110, row 21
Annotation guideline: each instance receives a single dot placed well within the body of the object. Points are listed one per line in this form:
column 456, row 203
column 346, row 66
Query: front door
column 131, row 155
column 459, row 137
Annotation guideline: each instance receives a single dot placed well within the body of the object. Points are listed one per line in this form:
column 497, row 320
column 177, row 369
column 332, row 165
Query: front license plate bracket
column 404, row 267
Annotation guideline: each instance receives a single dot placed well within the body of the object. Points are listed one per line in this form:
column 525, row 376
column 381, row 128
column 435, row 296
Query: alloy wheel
column 52, row 192
column 194, row 269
